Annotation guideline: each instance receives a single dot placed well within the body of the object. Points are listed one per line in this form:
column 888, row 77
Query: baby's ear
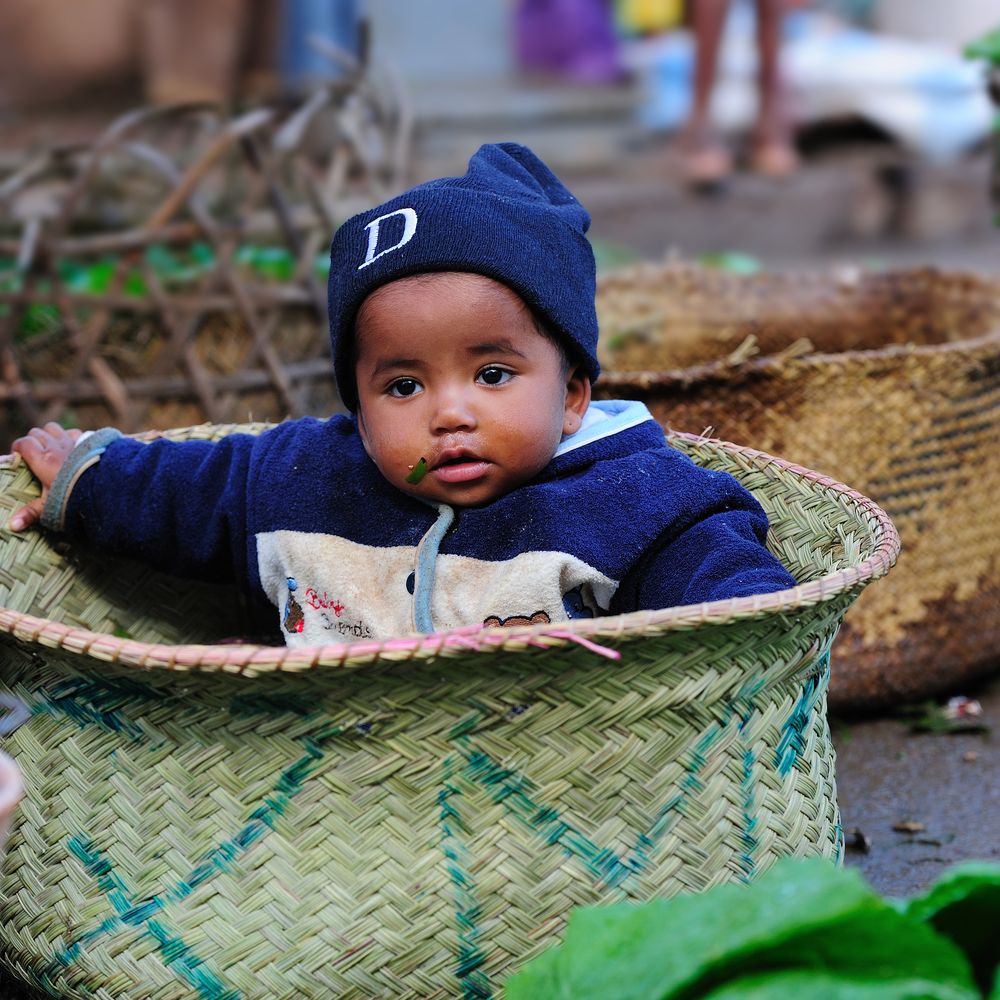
column 577, row 399
column 362, row 429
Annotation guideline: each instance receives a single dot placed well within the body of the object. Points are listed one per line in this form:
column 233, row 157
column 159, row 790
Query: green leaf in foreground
column 828, row 985
column 964, row 906
column 805, row 916
column 539, row 978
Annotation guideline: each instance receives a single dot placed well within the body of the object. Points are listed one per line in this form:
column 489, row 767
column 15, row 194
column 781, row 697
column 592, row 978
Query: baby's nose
column 453, row 411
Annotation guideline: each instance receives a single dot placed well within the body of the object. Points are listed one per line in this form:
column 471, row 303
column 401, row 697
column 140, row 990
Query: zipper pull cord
column 427, row 553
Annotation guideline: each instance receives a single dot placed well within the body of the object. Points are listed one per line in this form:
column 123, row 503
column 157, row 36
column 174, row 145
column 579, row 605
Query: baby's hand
column 44, row 449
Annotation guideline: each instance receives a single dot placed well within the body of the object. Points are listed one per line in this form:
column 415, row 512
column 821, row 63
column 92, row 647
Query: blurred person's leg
column 772, row 149
column 706, row 158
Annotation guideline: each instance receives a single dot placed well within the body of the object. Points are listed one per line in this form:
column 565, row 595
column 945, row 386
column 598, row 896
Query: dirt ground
column 948, row 783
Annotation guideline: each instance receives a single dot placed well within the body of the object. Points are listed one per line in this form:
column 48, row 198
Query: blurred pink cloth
column 571, row 38
column 11, row 791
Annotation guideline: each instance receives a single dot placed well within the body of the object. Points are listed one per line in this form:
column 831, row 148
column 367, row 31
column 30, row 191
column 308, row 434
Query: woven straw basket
column 403, row 818
column 887, row 381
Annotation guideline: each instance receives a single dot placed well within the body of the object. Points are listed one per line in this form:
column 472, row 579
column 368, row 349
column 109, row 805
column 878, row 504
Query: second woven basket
column 888, row 381
column 406, row 818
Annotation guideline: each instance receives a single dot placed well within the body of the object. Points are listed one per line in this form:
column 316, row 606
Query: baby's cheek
column 392, row 462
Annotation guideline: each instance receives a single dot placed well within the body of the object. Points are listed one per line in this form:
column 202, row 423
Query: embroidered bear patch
column 538, row 618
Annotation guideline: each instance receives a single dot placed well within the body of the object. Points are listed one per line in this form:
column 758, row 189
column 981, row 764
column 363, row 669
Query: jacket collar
column 611, row 428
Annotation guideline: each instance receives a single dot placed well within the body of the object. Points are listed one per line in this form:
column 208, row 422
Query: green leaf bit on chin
column 417, row 472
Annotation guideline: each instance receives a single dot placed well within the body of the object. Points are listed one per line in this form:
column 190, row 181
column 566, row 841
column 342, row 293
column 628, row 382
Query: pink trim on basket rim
column 252, row 660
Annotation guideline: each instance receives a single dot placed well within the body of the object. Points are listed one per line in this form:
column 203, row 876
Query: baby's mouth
column 457, row 466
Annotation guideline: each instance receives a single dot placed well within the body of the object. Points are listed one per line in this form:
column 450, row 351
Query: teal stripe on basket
column 469, row 972
column 838, row 844
column 65, row 958
column 514, row 791
column 259, row 823
column 132, row 914
column 100, row 702
column 792, row 739
column 674, row 806
column 91, row 703
column 177, row 955
column 511, row 789
column 747, row 834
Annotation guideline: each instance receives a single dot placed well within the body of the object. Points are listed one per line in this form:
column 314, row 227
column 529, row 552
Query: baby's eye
column 404, row 387
column 492, row 375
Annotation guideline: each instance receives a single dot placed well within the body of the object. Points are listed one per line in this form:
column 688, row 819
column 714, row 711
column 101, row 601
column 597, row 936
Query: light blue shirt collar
column 604, row 418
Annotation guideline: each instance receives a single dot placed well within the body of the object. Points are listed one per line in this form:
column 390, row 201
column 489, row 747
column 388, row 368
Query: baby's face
column 451, row 369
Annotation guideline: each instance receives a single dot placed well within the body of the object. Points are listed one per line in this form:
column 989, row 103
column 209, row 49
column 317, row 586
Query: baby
column 474, row 481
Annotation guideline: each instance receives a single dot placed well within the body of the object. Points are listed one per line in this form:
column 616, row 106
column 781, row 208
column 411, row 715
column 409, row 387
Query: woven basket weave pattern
column 899, row 395
column 415, row 828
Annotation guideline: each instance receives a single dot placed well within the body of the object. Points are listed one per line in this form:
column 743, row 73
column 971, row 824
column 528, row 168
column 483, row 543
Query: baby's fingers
column 45, row 449
column 27, row 515
column 34, row 446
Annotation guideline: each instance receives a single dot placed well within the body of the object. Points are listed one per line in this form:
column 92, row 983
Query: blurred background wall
column 890, row 120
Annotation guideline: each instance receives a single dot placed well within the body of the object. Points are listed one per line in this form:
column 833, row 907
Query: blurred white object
column 11, row 792
column 926, row 96
column 961, row 707
column 953, row 24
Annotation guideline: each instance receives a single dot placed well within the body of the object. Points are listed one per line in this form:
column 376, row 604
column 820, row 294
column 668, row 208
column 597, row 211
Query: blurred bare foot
column 774, row 158
column 702, row 159
column 710, row 165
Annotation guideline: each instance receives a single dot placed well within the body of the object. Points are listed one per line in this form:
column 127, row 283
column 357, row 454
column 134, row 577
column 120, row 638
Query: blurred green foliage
column 806, row 929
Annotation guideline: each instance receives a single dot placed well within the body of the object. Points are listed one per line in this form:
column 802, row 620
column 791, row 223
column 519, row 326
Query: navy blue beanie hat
column 509, row 218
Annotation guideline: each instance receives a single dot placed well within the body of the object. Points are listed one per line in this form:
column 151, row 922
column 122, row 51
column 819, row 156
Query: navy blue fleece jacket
column 300, row 516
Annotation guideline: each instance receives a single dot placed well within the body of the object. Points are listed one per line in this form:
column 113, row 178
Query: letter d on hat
column 508, row 217
column 409, row 228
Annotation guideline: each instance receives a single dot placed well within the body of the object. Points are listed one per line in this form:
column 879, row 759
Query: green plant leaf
column 88, row 279
column 609, row 256
column 270, row 262
column 731, row 261
column 930, row 717
column 801, row 914
column 815, row 983
column 135, row 285
column 203, row 254
column 874, row 946
column 539, row 978
column 964, row 906
column 41, row 317
column 417, row 472
column 321, row 265
column 987, row 47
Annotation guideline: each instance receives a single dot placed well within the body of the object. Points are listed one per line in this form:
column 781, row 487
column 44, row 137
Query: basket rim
column 722, row 371
column 253, row 659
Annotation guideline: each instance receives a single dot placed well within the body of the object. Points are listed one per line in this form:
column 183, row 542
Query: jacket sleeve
column 720, row 556
column 177, row 506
